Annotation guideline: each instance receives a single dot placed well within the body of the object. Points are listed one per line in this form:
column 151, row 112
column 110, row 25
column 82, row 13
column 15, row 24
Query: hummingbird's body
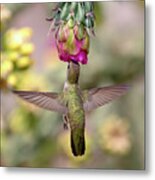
column 76, row 118
column 73, row 102
column 76, row 114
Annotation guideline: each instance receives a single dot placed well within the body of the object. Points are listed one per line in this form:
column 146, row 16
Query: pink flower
column 72, row 43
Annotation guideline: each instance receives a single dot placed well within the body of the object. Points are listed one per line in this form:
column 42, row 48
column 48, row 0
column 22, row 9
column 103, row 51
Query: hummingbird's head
column 73, row 72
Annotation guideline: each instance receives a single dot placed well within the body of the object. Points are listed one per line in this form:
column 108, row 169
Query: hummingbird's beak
column 74, row 66
column 73, row 71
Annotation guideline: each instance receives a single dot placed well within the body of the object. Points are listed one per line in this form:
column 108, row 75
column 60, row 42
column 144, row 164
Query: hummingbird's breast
column 75, row 105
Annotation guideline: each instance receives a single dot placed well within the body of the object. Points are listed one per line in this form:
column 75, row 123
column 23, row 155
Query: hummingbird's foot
column 65, row 120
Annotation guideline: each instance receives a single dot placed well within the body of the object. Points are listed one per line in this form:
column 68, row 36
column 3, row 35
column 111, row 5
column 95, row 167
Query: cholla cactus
column 73, row 22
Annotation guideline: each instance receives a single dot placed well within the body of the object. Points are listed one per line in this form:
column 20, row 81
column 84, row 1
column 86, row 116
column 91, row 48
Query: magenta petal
column 80, row 46
column 64, row 56
column 82, row 57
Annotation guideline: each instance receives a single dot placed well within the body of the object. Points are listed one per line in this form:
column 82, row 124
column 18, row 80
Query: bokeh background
column 32, row 137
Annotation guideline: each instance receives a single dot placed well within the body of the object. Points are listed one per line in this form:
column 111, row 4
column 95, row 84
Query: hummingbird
column 73, row 103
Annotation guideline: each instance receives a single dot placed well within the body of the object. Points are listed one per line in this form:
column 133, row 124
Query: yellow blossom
column 24, row 62
column 12, row 80
column 27, row 48
column 114, row 136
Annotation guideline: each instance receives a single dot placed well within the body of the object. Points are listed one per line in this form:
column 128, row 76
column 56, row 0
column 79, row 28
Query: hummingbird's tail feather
column 78, row 142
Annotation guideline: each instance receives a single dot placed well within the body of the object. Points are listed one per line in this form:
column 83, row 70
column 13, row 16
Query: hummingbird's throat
column 73, row 72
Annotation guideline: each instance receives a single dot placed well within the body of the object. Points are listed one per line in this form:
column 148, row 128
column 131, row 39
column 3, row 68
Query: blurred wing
column 46, row 100
column 97, row 97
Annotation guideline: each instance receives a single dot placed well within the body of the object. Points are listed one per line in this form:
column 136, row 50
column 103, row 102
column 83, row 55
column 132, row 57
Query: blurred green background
column 32, row 137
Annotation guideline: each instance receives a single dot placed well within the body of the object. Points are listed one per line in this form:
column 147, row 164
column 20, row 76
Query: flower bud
column 12, row 80
column 13, row 56
column 72, row 43
column 6, row 67
column 24, row 62
column 27, row 48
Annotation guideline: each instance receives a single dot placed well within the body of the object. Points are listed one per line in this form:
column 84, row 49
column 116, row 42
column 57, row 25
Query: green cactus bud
column 73, row 6
column 69, row 17
column 61, row 5
column 61, row 33
column 88, row 6
column 76, row 11
column 65, row 11
column 71, row 23
column 80, row 13
column 79, row 32
column 57, row 19
column 89, row 23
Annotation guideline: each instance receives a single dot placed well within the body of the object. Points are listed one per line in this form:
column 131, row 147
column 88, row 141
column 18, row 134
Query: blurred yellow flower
column 33, row 82
column 6, row 68
column 12, row 80
column 13, row 55
column 27, row 48
column 24, row 62
column 15, row 38
column 114, row 136
column 16, row 56
column 26, row 33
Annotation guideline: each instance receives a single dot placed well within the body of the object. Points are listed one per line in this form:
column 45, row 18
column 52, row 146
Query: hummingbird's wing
column 46, row 100
column 97, row 97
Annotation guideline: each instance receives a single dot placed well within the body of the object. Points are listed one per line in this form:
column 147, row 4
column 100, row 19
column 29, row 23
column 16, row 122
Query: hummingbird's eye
column 68, row 66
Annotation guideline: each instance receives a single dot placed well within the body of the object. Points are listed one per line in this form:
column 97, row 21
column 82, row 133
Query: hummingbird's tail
column 77, row 141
